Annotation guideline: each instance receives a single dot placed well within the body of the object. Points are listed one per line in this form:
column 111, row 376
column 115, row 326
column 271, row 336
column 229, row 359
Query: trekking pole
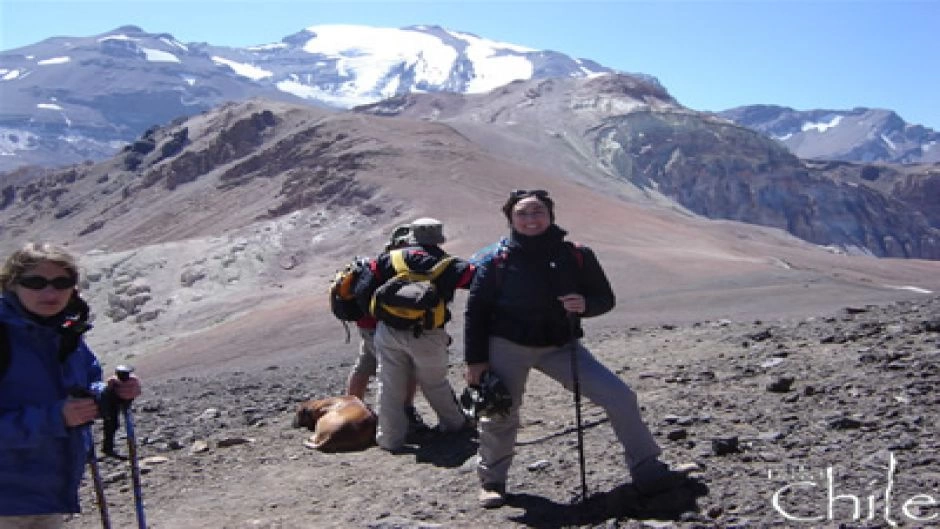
column 572, row 327
column 123, row 372
column 96, row 479
column 93, row 464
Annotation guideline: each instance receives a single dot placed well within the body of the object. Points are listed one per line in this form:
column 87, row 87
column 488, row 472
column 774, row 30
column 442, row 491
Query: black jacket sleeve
column 480, row 305
column 594, row 286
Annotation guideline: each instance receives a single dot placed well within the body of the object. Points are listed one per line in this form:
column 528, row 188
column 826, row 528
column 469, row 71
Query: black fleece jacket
column 515, row 296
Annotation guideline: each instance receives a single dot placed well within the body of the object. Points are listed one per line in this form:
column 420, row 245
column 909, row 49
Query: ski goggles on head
column 519, row 193
column 39, row 282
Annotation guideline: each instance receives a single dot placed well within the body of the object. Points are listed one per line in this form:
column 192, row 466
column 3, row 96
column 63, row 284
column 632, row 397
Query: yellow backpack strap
column 398, row 261
column 440, row 267
column 401, row 267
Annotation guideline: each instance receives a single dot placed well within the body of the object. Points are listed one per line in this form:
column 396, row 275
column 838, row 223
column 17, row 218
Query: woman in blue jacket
column 50, row 383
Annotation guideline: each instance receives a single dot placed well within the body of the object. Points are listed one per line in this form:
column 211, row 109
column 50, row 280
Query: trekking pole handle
column 123, row 372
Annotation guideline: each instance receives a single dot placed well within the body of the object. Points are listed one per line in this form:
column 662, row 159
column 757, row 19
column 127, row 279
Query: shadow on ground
column 623, row 502
column 448, row 450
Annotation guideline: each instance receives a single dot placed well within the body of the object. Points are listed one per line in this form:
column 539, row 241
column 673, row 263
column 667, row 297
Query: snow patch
column 493, row 71
column 159, row 55
column 822, row 126
column 118, row 36
column 245, row 70
column 337, row 98
column 54, row 60
column 9, row 75
column 267, row 47
column 492, row 44
column 911, row 288
column 13, row 140
column 48, row 106
column 889, row 143
column 174, row 44
column 368, row 55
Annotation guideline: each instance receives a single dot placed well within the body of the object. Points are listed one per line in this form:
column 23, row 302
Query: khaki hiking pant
column 366, row 363
column 511, row 362
column 399, row 352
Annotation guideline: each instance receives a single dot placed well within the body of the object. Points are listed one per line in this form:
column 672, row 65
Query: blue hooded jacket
column 41, row 460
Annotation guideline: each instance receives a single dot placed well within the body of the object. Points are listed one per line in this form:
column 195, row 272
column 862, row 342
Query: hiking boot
column 416, row 424
column 492, row 495
column 652, row 477
column 107, row 448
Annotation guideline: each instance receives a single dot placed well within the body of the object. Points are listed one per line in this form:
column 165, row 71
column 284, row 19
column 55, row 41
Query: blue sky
column 710, row 55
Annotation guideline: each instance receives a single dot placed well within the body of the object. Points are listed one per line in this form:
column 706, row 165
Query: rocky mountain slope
column 915, row 185
column 218, row 235
column 620, row 128
column 857, row 135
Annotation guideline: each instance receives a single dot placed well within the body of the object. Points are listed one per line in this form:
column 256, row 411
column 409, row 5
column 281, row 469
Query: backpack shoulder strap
column 576, row 252
column 398, row 261
column 440, row 267
column 401, row 267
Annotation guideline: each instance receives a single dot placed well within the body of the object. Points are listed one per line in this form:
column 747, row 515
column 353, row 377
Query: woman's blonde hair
column 27, row 257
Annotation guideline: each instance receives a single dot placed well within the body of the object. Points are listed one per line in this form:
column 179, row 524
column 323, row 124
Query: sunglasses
column 519, row 193
column 39, row 282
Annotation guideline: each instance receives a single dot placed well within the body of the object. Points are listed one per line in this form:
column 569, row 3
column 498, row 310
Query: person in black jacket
column 421, row 351
column 523, row 312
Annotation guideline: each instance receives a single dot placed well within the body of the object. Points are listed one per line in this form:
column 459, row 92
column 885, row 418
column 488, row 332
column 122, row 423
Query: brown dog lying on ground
column 340, row 424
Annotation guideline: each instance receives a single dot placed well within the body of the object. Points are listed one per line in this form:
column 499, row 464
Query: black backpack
column 410, row 299
column 343, row 302
column 342, row 298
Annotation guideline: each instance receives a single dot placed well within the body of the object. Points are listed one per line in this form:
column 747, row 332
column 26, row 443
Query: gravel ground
column 825, row 421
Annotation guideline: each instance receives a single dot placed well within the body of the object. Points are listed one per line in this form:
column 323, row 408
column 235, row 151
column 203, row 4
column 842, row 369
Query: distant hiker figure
column 523, row 313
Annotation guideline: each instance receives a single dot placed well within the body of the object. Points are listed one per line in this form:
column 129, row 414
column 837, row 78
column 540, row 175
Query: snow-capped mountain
column 857, row 135
column 349, row 65
column 68, row 99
